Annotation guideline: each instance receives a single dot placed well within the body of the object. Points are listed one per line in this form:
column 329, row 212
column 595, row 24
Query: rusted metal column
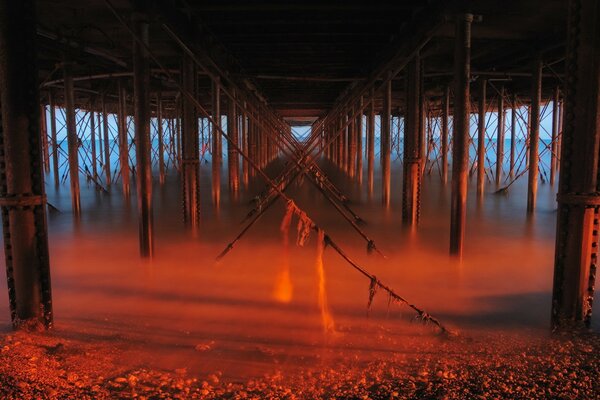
column 534, row 136
column 460, row 142
column 481, row 138
column 123, row 139
column 244, row 126
column 411, row 182
column 190, row 158
column 100, row 148
column 513, row 135
column 371, row 143
column 352, row 146
column 93, row 143
column 553, row 143
column 351, row 165
column 500, row 138
column 44, row 130
column 22, row 197
column 55, row 153
column 72, row 139
column 359, row 144
column 161, row 142
column 233, row 165
column 143, row 138
column 217, row 143
column 444, row 133
column 576, row 251
column 106, row 141
column 386, row 145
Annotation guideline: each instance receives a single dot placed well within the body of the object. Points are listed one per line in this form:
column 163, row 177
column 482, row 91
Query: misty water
column 184, row 308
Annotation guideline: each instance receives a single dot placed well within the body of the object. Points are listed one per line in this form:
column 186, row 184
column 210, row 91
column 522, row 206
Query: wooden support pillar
column 460, row 143
column 190, row 157
column 411, row 182
column 386, row 145
column 513, row 135
column 576, row 251
column 444, row 133
column 22, row 197
column 481, row 138
column 554, row 139
column 534, row 135
column 72, row 139
column 143, row 138
column 233, row 165
column 500, row 137
column 106, row 141
column 53, row 138
column 371, row 143
column 123, row 140
column 160, row 134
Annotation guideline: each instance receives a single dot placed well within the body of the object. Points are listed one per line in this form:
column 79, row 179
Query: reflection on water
column 182, row 298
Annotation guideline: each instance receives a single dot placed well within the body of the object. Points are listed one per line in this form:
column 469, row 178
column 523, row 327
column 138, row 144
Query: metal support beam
column 576, row 253
column 534, row 135
column 444, row 134
column 460, row 143
column 500, row 137
column 359, row 144
column 554, row 138
column 143, row 141
column 189, row 148
column 371, row 143
column 106, row 141
column 233, row 158
column 217, row 150
column 513, row 135
column 160, row 134
column 22, row 197
column 72, row 139
column 53, row 138
column 411, row 182
column 123, row 140
column 481, row 138
column 386, row 144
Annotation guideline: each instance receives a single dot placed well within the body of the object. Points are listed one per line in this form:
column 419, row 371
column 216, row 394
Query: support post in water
column 500, row 137
column 371, row 143
column 233, row 159
column 481, row 138
column 460, row 143
column 106, row 141
column 513, row 135
column 444, row 133
column 123, row 139
column 190, row 157
column 386, row 145
column 534, row 135
column 22, row 197
column 72, row 139
column 53, row 139
column 160, row 133
column 576, row 253
column 141, row 92
column 554, row 138
column 411, row 183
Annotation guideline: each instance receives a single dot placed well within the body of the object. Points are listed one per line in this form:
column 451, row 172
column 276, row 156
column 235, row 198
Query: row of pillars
column 23, row 201
column 577, row 154
column 27, row 135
